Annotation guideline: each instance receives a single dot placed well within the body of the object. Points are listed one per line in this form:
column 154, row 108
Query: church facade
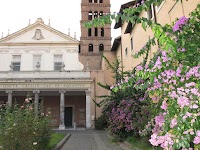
column 43, row 63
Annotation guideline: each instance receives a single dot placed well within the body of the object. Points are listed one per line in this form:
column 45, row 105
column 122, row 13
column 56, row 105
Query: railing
column 44, row 75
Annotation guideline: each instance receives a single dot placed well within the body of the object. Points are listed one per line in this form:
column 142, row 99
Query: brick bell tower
column 94, row 40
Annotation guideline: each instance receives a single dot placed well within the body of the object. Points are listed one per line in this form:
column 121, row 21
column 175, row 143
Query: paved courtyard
column 89, row 140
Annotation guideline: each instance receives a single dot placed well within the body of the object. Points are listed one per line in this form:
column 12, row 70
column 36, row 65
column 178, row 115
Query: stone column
column 9, row 92
column 36, row 102
column 88, row 119
column 62, row 109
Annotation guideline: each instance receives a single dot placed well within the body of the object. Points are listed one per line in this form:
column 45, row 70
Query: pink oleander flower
column 180, row 23
column 30, row 107
column 164, row 105
column 112, row 87
column 139, row 67
column 183, row 101
column 198, row 133
column 173, row 123
column 195, row 106
column 153, row 140
column 159, row 120
column 196, row 140
column 27, row 100
column 190, row 84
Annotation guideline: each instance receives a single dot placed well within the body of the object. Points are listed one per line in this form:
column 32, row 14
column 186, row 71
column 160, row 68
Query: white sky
column 64, row 14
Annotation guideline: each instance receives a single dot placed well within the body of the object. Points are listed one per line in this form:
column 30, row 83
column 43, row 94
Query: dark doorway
column 68, row 116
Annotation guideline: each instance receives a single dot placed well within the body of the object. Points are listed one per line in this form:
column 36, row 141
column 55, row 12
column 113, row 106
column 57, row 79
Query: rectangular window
column 150, row 13
column 158, row 7
column 16, row 62
column 57, row 62
column 126, row 52
column 132, row 44
column 37, row 61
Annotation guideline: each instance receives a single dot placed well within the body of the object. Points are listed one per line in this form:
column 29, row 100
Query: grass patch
column 55, row 139
column 141, row 144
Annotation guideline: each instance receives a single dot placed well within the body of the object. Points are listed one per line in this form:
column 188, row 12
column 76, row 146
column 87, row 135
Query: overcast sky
column 63, row 14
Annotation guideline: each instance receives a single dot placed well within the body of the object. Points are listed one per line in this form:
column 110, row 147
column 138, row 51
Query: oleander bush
column 22, row 129
column 170, row 82
column 101, row 122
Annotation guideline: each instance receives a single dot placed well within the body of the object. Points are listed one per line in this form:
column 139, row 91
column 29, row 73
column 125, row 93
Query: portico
column 69, row 99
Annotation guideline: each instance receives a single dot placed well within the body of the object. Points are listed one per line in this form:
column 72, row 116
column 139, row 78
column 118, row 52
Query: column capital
column 62, row 91
column 87, row 92
column 8, row 91
column 36, row 91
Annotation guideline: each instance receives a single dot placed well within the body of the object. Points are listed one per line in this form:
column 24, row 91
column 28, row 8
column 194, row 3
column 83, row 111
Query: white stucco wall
column 70, row 57
column 52, row 42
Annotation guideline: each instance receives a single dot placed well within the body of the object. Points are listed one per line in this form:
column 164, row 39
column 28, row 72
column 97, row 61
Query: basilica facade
column 59, row 72
column 43, row 63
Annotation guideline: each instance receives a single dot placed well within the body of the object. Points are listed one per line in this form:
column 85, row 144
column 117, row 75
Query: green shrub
column 22, row 129
column 101, row 123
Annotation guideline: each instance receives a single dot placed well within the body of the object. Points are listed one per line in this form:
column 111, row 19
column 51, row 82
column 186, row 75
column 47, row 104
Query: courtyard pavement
column 89, row 140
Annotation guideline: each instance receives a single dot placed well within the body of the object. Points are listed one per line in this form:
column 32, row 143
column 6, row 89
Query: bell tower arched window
column 101, row 47
column 100, row 1
column 90, row 48
column 90, row 15
column 101, row 13
column 96, row 14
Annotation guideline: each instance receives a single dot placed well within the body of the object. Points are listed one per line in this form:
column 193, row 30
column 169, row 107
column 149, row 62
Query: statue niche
column 38, row 35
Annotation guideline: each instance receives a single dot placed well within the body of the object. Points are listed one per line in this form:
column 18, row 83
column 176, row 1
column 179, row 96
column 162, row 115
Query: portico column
column 62, row 109
column 9, row 92
column 36, row 102
column 88, row 120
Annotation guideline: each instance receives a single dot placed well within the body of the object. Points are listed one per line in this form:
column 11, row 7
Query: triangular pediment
column 38, row 33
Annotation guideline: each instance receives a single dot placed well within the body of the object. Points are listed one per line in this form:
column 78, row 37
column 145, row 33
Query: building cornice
column 96, row 4
column 95, row 38
column 90, row 54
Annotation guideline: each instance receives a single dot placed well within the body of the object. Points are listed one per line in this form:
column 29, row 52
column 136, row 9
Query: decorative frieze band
column 96, row 4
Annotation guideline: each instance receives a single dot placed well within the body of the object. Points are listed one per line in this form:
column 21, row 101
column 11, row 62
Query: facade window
column 57, row 62
column 126, row 52
column 102, row 31
column 89, row 32
column 90, row 1
column 16, row 62
column 100, row 1
column 96, row 14
column 95, row 1
column 101, row 47
column 79, row 49
column 158, row 7
column 37, row 61
column 132, row 44
column 96, row 31
column 101, row 13
column 90, row 48
column 90, row 15
column 150, row 13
